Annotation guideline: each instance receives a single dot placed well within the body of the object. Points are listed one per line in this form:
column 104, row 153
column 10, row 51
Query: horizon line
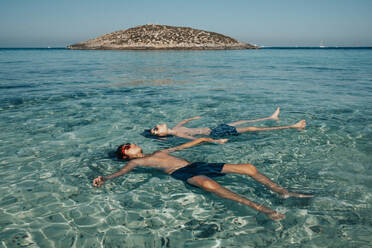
column 264, row 47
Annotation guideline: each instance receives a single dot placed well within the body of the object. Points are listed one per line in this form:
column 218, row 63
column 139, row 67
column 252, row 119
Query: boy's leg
column 251, row 170
column 212, row 186
column 274, row 116
column 301, row 124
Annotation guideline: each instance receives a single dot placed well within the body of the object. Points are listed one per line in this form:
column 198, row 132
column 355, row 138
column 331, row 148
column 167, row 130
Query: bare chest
column 165, row 162
column 192, row 131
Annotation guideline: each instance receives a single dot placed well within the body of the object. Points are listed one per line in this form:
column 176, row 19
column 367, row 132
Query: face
column 160, row 130
column 132, row 150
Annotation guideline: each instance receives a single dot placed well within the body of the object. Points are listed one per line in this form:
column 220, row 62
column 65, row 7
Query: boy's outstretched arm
column 186, row 136
column 194, row 143
column 128, row 167
column 187, row 120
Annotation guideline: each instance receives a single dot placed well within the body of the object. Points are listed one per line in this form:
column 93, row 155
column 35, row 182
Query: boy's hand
column 98, row 181
column 219, row 141
column 195, row 118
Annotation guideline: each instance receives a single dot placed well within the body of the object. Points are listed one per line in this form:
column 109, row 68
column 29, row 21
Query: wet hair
column 147, row 133
column 119, row 153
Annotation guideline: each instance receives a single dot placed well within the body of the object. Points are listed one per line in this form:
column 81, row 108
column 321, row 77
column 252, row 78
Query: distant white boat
column 49, row 47
column 321, row 45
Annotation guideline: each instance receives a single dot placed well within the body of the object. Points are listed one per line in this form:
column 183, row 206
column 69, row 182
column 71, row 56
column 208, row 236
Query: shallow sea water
column 62, row 114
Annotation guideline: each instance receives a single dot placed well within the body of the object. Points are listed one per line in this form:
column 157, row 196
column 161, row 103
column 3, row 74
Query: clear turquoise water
column 63, row 112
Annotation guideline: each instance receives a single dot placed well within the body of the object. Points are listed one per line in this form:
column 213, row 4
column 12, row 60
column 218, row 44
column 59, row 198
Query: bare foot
column 275, row 116
column 276, row 216
column 298, row 195
column 301, row 124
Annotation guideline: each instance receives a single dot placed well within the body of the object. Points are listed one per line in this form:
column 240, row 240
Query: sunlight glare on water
column 63, row 113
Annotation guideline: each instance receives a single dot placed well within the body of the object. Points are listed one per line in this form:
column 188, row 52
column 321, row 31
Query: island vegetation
column 162, row 37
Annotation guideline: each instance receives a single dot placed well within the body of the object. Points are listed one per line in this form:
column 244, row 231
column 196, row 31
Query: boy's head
column 128, row 151
column 159, row 130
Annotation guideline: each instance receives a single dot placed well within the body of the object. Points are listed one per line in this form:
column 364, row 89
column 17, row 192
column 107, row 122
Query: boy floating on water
column 222, row 130
column 197, row 174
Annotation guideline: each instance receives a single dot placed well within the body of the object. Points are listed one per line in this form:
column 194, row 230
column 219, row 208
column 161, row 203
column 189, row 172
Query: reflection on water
column 62, row 113
column 153, row 82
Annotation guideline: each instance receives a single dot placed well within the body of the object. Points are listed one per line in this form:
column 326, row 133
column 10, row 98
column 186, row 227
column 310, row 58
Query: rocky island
column 161, row 37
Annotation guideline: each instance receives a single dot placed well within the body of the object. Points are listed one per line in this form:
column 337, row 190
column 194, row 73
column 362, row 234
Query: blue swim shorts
column 223, row 130
column 199, row 169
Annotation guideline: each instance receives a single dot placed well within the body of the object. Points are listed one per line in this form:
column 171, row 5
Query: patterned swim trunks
column 223, row 130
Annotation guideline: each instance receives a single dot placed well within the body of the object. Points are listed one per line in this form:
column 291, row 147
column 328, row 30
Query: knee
column 209, row 185
column 251, row 169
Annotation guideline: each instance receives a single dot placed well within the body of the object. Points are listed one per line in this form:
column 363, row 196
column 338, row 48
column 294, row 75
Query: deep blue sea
column 63, row 113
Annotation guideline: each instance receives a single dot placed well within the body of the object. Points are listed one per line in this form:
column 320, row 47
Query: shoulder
column 137, row 161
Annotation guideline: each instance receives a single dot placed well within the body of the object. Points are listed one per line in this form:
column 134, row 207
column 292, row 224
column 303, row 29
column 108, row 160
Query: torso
column 191, row 131
column 162, row 161
column 168, row 163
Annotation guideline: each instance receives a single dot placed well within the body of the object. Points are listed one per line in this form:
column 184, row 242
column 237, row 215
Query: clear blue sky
column 58, row 23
